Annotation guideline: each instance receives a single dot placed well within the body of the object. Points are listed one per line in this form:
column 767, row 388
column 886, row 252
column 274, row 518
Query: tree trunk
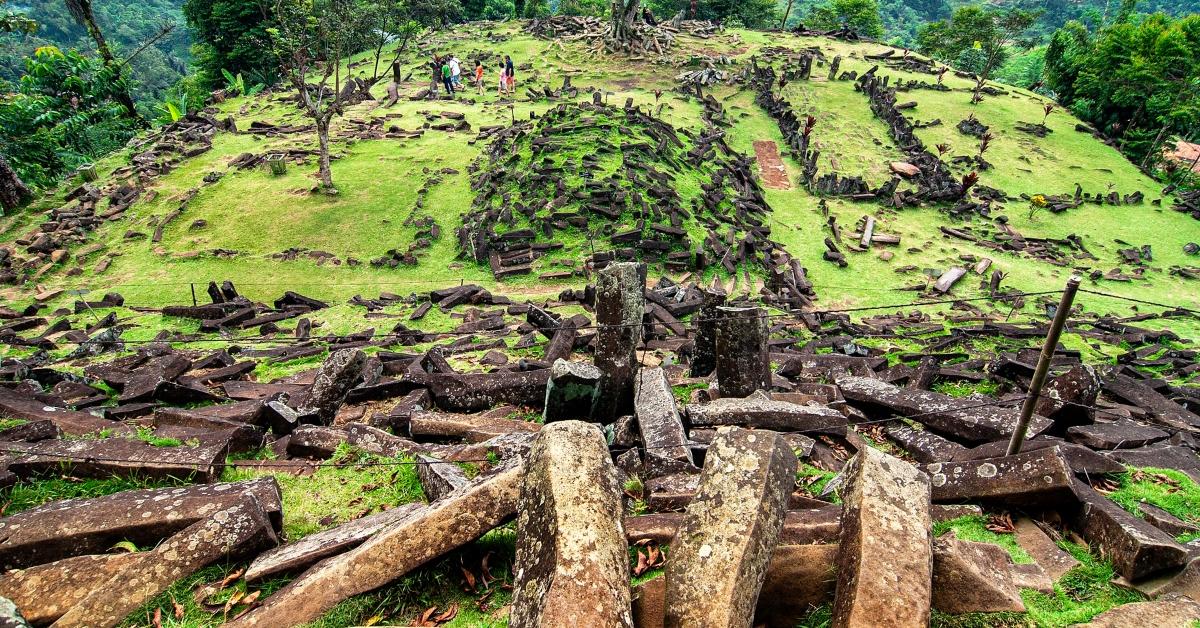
column 624, row 14
column 13, row 191
column 786, row 13
column 122, row 96
column 324, row 172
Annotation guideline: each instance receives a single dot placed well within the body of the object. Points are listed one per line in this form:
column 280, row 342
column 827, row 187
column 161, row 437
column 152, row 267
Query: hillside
column 361, row 372
column 239, row 224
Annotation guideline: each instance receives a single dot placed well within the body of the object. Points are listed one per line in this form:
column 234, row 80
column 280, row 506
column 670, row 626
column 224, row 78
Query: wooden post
column 1043, row 365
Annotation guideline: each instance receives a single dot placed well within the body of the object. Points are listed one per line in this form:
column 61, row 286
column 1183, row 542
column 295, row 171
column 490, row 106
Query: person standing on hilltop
column 455, row 72
column 447, row 79
column 503, row 86
column 479, row 76
column 510, row 74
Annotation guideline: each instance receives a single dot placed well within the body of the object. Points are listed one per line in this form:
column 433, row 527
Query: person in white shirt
column 455, row 71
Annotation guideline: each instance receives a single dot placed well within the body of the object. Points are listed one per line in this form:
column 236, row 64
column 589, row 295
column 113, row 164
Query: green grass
column 31, row 494
column 1082, row 593
column 974, row 528
column 813, row 480
column 346, row 488
column 1171, row 490
column 11, row 423
column 957, row 388
column 146, row 435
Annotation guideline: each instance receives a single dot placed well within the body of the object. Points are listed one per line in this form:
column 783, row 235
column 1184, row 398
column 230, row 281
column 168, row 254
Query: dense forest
column 81, row 78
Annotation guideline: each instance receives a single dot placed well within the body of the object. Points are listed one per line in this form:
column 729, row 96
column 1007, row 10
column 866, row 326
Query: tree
column 312, row 37
column 231, row 35
column 11, row 22
column 593, row 8
column 991, row 31
column 623, row 21
column 388, row 21
column 64, row 112
column 860, row 15
column 81, row 10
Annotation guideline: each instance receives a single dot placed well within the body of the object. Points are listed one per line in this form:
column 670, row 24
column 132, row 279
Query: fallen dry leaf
column 252, row 598
column 157, row 620
column 1001, row 524
column 642, row 564
column 232, row 577
column 468, row 576
column 448, row 615
column 179, row 609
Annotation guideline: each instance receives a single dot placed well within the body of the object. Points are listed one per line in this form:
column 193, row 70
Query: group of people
column 447, row 72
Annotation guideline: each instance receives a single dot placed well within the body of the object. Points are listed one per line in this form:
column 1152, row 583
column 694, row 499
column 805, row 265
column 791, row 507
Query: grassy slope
column 257, row 215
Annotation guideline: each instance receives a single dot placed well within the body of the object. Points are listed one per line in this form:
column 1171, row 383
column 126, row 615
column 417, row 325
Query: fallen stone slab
column 572, row 564
column 1116, row 435
column 1136, row 548
column 31, row 432
column 230, row 533
column 886, row 559
column 71, row 422
column 1083, row 460
column 719, row 556
column 924, row 446
column 1162, row 410
column 44, row 593
column 1039, row 478
column 90, row 526
column 1169, row 612
column 472, row 428
column 800, row 527
column 799, row 578
column 658, row 419
column 1068, row 399
column 391, row 553
column 1159, row 455
column 302, row 554
column 1165, row 521
column 960, row 419
column 570, row 390
column 1044, row 551
column 116, row 457
column 472, row 392
column 439, row 478
column 336, row 376
column 760, row 411
column 973, row 577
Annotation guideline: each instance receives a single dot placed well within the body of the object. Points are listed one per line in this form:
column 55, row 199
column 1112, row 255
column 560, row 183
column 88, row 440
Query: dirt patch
column 774, row 173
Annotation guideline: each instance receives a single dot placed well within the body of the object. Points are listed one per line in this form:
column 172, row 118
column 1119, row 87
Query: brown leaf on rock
column 642, row 564
column 252, row 598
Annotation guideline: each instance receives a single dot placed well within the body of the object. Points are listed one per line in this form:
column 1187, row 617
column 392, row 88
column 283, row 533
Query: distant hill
column 127, row 25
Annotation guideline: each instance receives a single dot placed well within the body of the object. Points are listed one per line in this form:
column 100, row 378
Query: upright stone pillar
column 620, row 305
column 704, row 347
column 572, row 563
column 743, row 362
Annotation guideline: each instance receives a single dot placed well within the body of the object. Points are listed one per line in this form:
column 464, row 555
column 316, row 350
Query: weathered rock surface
column 886, row 559
column 439, row 478
column 658, row 419
column 116, row 457
column 1174, row 612
column 71, row 422
column 572, row 565
column 799, row 578
column 620, row 305
column 720, row 555
column 924, row 446
column 44, row 593
column 228, row 533
column 1033, row 478
column 570, row 390
column 743, row 364
column 472, row 428
column 301, row 554
column 1136, row 548
column 1068, row 399
column 973, row 577
column 960, row 419
column 337, row 375
column 90, row 526
column 1044, row 551
column 760, row 411
column 1117, row 435
column 391, row 553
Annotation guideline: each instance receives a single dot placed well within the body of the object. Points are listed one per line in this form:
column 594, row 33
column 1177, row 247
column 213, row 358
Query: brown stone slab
column 116, row 457
column 1039, row 478
column 88, row 526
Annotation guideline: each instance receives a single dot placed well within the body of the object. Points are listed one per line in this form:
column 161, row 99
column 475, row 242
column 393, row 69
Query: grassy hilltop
column 258, row 216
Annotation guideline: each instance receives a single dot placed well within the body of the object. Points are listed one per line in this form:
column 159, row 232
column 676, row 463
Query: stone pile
column 712, row 475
